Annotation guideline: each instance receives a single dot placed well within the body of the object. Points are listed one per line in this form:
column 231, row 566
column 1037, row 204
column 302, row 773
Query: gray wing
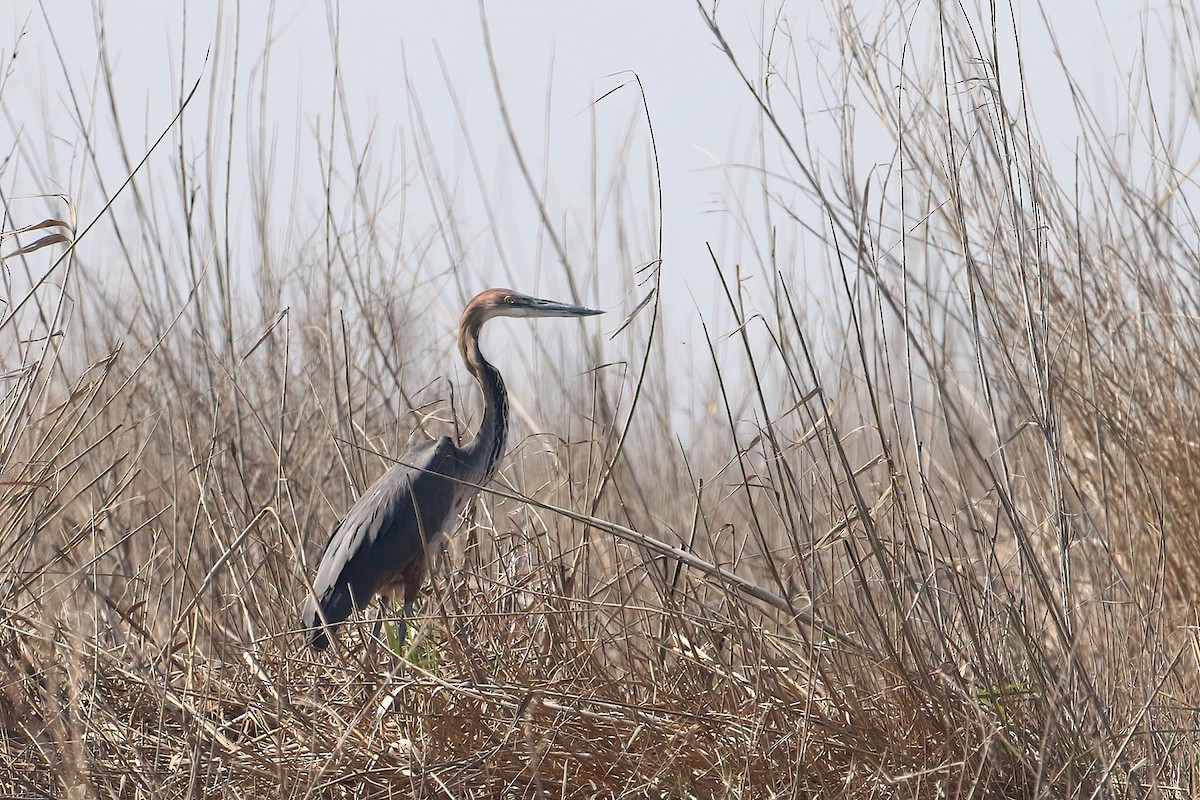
column 384, row 532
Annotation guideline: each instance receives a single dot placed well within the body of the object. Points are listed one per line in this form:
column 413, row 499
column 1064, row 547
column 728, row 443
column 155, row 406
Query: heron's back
column 407, row 510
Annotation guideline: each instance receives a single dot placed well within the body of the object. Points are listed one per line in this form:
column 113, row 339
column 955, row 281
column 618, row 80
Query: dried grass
column 961, row 518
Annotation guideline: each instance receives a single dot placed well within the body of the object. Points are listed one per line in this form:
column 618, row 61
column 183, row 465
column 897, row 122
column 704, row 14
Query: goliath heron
column 384, row 543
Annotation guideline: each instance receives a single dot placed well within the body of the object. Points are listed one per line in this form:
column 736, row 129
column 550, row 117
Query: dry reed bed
column 970, row 475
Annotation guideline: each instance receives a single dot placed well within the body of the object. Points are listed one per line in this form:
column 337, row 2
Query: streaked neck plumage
column 483, row 453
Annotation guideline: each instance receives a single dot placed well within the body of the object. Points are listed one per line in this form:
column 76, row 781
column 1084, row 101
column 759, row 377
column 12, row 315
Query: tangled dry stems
column 977, row 497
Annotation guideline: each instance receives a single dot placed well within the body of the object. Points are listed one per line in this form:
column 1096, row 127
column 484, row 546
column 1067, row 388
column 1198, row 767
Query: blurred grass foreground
column 942, row 429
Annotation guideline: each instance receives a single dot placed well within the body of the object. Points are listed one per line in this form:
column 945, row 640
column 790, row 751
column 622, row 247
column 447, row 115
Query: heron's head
column 507, row 303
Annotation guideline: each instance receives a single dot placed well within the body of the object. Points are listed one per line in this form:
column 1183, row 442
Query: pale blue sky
column 570, row 53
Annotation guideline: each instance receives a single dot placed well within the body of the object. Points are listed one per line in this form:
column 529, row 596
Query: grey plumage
column 384, row 542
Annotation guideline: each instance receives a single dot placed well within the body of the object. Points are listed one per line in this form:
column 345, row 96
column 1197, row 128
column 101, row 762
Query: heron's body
column 382, row 545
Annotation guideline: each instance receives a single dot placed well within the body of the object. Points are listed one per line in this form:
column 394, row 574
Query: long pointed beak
column 552, row 308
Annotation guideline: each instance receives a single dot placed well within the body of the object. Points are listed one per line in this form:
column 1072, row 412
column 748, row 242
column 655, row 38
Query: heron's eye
column 508, row 298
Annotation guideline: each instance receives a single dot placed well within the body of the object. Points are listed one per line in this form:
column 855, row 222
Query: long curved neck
column 483, row 453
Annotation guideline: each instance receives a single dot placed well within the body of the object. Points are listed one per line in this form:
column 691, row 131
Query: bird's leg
column 402, row 634
column 412, row 577
column 395, row 631
column 373, row 640
column 383, row 606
